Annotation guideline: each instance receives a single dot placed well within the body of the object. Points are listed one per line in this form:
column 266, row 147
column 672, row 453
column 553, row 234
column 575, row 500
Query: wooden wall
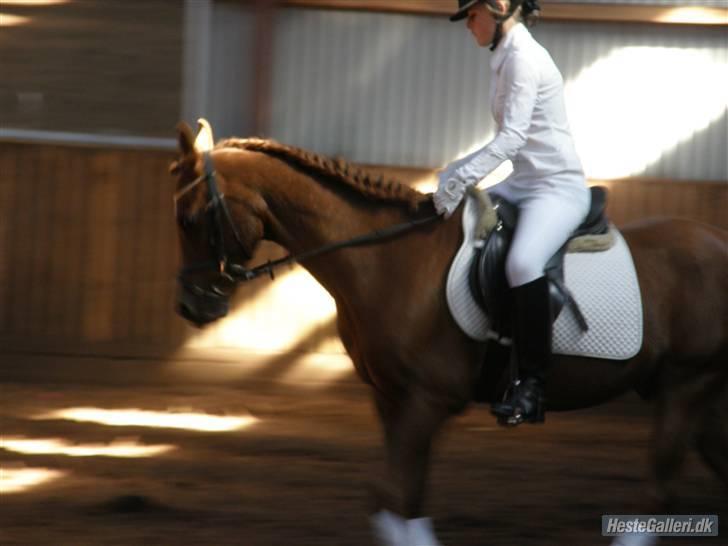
column 88, row 245
column 111, row 67
column 631, row 199
column 88, row 249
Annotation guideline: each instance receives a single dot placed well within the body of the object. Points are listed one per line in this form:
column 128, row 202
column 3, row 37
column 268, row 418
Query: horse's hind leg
column 670, row 441
column 712, row 440
column 676, row 411
column 689, row 410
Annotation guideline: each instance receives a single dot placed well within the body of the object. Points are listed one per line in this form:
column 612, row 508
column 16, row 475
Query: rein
column 234, row 272
column 360, row 240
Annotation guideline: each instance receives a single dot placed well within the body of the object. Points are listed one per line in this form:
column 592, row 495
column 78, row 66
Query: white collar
column 506, row 45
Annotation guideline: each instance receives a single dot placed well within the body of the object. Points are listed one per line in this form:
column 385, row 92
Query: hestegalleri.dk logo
column 660, row 525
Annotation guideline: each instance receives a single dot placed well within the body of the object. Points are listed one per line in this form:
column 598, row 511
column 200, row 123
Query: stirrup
column 514, row 408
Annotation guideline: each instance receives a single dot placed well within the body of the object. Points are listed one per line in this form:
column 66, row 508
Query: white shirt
column 527, row 102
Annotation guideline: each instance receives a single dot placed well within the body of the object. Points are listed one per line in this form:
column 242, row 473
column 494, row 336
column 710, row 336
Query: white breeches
column 545, row 223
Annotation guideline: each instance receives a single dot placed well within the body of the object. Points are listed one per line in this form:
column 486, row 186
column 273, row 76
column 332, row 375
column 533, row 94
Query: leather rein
column 219, row 215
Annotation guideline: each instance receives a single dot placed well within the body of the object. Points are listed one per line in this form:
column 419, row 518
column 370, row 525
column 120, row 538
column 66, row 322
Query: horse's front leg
column 410, row 426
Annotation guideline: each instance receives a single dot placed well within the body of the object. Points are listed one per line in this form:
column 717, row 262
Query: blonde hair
column 526, row 11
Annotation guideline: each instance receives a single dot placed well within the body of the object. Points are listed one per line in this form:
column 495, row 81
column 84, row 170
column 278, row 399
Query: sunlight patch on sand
column 316, row 370
column 158, row 419
column 284, row 329
column 52, row 446
column 278, row 317
column 17, row 480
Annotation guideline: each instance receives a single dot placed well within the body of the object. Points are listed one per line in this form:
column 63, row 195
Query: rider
column 547, row 184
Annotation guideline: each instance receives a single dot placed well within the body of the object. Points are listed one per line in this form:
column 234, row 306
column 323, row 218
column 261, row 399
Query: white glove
column 450, row 192
column 447, row 172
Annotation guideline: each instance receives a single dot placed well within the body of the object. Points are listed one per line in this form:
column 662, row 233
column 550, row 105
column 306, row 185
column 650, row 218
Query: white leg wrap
column 635, row 540
column 389, row 529
column 421, row 533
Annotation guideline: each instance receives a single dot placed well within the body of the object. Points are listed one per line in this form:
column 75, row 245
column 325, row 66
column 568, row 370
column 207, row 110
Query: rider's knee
column 521, row 270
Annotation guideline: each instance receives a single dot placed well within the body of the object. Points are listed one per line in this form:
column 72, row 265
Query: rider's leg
column 532, row 346
column 544, row 225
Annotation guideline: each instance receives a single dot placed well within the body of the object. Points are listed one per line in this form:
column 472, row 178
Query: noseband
column 229, row 272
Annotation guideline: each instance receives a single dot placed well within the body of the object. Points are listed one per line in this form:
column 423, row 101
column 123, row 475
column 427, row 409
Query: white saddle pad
column 604, row 285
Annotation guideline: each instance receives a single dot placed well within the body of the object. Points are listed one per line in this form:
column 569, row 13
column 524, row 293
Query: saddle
column 487, row 276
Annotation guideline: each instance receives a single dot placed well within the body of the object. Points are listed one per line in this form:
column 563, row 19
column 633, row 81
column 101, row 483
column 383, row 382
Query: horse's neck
column 307, row 214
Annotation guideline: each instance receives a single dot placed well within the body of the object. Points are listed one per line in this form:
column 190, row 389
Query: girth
column 488, row 282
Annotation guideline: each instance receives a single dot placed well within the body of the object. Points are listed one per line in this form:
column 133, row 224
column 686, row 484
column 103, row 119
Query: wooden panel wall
column 630, row 199
column 111, row 67
column 633, row 199
column 88, row 249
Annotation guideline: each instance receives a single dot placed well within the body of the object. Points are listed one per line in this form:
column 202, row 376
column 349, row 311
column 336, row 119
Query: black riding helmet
column 463, row 7
column 528, row 8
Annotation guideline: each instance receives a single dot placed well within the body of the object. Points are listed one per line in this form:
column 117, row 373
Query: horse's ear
column 185, row 139
column 204, row 141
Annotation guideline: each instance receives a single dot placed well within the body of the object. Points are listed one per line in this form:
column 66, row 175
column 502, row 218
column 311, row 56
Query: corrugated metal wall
column 218, row 65
column 377, row 88
column 413, row 90
column 230, row 104
column 649, row 97
column 661, row 3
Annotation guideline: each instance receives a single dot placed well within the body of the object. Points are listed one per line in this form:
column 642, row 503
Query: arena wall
column 88, row 251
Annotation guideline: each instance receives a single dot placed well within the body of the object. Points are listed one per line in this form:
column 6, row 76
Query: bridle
column 230, row 272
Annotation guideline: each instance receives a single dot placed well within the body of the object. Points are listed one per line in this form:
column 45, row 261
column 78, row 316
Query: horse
column 393, row 319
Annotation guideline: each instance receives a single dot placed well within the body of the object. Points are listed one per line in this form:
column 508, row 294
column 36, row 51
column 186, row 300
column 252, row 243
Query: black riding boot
column 524, row 400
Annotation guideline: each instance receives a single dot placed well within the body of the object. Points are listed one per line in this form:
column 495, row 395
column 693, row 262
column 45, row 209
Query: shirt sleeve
column 521, row 89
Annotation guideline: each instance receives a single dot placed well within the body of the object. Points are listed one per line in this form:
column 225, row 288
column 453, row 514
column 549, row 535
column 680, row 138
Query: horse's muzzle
column 201, row 308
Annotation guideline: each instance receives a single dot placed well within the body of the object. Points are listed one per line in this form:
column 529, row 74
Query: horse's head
column 215, row 237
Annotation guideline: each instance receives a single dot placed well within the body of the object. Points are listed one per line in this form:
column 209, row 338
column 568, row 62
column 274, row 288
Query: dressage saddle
column 487, row 276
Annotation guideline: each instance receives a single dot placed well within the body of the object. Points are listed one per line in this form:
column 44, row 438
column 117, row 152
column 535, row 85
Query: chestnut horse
column 394, row 321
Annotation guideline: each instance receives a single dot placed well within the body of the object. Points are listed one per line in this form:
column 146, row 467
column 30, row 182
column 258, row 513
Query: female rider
column 547, row 184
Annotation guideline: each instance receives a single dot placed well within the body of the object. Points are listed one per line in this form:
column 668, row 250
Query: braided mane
column 335, row 169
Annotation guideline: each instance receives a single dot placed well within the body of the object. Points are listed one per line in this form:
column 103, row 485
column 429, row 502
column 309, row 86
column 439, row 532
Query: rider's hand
column 450, row 192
